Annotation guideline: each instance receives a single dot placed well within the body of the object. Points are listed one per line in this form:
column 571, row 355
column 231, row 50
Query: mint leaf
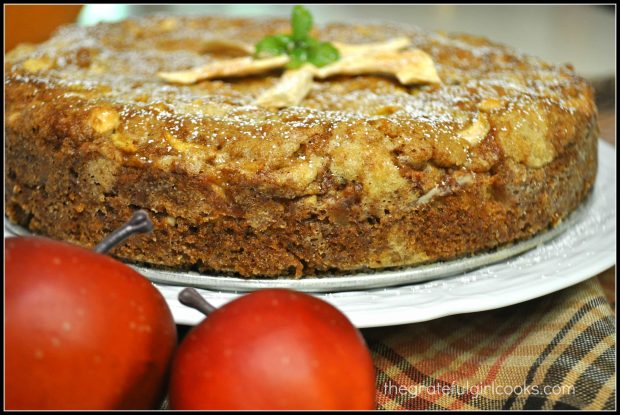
column 299, row 56
column 273, row 46
column 299, row 46
column 301, row 22
column 306, row 43
column 322, row 54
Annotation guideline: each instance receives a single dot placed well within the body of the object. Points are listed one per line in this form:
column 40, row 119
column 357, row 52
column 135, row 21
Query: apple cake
column 364, row 172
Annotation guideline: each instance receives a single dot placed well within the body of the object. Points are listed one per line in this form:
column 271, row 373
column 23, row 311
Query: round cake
column 364, row 173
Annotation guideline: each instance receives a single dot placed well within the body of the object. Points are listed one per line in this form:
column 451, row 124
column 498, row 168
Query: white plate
column 582, row 251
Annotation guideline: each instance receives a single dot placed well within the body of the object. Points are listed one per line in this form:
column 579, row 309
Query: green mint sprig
column 298, row 45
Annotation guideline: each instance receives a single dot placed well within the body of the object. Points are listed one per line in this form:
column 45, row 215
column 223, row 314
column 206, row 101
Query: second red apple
column 273, row 349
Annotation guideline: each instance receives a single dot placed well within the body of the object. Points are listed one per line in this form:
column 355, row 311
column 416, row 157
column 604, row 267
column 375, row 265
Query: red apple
column 273, row 349
column 83, row 331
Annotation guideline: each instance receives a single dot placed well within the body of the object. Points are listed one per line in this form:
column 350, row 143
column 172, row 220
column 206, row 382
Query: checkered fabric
column 554, row 352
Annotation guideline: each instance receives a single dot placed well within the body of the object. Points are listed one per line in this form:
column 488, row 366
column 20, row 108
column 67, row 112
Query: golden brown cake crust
column 365, row 173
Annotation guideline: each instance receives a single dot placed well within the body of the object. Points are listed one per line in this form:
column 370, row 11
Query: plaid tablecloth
column 555, row 352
